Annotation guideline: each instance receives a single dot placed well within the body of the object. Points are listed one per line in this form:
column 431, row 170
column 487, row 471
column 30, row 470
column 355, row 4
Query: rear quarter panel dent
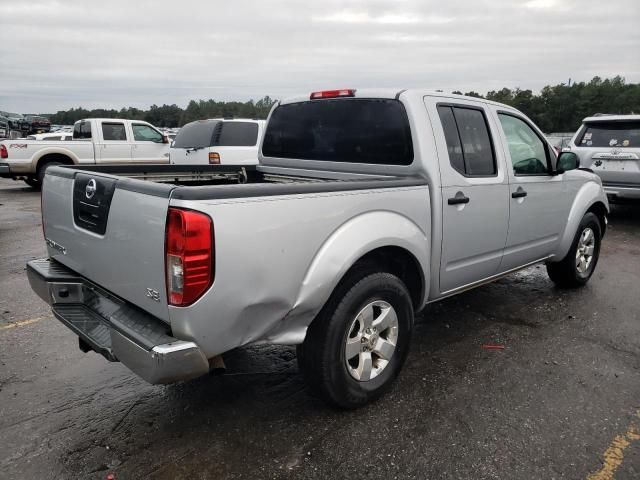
column 272, row 252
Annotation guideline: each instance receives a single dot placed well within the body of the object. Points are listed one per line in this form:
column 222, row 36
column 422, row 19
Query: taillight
column 189, row 256
column 214, row 158
column 3, row 152
column 347, row 92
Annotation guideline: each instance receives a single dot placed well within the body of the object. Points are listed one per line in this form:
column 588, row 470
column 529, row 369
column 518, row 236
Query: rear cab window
column 355, row 130
column 610, row 135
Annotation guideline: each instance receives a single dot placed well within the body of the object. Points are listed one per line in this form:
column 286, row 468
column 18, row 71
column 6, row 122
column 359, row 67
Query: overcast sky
column 58, row 54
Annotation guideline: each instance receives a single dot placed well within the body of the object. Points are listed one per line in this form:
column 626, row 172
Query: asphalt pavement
column 560, row 401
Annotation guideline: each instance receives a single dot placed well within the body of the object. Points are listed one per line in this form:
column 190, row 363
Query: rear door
column 113, row 144
column 539, row 200
column 111, row 230
column 148, row 144
column 475, row 208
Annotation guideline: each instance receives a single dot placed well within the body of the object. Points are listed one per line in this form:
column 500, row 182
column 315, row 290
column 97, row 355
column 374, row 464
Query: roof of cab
column 392, row 93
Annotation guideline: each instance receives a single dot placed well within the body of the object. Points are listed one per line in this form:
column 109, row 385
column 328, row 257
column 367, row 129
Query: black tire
column 565, row 273
column 42, row 169
column 32, row 182
column 322, row 356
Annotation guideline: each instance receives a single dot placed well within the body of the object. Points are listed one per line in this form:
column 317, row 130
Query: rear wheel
column 32, row 182
column 576, row 268
column 43, row 168
column 357, row 345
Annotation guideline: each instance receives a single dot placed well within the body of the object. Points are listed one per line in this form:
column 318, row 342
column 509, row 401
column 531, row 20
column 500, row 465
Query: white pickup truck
column 97, row 141
column 366, row 206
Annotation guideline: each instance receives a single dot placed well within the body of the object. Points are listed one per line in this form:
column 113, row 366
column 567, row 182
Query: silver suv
column 610, row 146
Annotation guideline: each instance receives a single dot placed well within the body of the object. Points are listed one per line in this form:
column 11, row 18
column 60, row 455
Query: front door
column 538, row 200
column 148, row 145
column 475, row 208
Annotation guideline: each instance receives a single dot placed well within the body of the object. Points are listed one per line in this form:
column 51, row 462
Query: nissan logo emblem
column 90, row 189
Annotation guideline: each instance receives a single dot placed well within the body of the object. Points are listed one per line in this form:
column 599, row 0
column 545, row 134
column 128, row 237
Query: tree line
column 557, row 108
column 561, row 108
column 171, row 115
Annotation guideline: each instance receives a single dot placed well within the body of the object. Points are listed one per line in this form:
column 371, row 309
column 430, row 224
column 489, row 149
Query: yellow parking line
column 614, row 455
column 20, row 323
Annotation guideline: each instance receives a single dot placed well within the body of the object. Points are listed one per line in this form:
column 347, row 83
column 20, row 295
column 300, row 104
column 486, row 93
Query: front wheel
column 576, row 268
column 357, row 345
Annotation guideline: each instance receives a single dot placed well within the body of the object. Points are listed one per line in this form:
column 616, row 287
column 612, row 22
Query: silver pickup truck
column 366, row 206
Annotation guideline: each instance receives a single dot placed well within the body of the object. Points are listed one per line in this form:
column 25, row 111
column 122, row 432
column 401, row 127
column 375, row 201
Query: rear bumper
column 5, row 170
column 114, row 328
column 622, row 190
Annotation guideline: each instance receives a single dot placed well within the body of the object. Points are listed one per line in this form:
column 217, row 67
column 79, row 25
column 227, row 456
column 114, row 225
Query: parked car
column 558, row 142
column 218, row 141
column 610, row 146
column 35, row 124
column 4, row 127
column 365, row 207
column 95, row 141
column 52, row 136
column 15, row 120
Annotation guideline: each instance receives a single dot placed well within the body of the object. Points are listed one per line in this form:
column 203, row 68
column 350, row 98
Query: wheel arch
column 590, row 198
column 601, row 211
column 63, row 156
column 385, row 240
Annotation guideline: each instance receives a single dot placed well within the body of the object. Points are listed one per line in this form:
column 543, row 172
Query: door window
column 82, row 131
column 114, row 132
column 144, row 133
column 529, row 154
column 468, row 141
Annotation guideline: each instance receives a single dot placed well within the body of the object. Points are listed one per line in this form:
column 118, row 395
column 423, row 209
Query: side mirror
column 567, row 161
column 165, row 139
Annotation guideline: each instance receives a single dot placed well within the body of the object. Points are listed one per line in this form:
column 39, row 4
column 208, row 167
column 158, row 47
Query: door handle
column 519, row 194
column 457, row 200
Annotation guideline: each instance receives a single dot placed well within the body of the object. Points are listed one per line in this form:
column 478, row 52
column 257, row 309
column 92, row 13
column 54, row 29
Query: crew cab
column 366, row 206
column 99, row 141
column 217, row 141
column 610, row 146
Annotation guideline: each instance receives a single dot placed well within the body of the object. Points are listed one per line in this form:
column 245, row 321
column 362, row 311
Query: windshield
column 354, row 130
column 611, row 134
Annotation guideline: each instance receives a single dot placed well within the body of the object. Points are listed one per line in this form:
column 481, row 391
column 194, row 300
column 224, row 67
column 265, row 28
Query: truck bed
column 205, row 182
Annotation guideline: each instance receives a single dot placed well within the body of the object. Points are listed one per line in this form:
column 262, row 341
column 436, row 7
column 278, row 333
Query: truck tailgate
column 110, row 230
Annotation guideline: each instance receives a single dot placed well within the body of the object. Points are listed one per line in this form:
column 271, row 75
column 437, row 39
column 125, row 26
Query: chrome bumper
column 114, row 328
